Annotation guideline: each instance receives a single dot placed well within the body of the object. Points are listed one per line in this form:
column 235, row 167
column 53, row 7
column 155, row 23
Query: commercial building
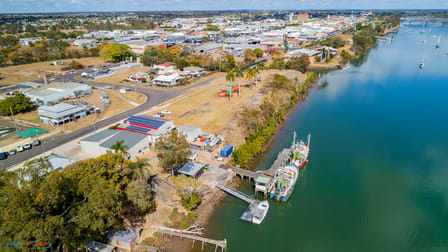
column 53, row 94
column 101, row 143
column 60, row 113
column 151, row 126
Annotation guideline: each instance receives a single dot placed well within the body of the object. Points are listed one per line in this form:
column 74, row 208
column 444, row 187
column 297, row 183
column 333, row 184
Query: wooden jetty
column 283, row 159
column 221, row 244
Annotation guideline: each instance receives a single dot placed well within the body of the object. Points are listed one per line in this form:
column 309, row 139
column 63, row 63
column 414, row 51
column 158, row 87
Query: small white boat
column 260, row 212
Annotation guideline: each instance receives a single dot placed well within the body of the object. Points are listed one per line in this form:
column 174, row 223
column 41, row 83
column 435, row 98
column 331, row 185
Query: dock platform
column 221, row 244
column 283, row 159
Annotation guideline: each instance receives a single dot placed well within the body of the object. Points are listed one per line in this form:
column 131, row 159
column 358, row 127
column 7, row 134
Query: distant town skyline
column 38, row 6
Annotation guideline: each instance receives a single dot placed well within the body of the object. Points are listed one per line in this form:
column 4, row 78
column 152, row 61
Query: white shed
column 191, row 132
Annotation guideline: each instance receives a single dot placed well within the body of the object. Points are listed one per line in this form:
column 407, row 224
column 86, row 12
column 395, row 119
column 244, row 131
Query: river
column 377, row 177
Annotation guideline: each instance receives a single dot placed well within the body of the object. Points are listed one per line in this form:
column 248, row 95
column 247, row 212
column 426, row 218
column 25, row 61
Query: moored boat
column 285, row 178
column 260, row 212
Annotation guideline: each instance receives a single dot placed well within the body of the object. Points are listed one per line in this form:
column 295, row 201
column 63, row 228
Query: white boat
column 438, row 43
column 284, row 182
column 260, row 212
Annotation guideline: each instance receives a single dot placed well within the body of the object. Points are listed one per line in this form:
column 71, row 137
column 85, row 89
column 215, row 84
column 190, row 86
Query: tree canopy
column 18, row 103
column 85, row 200
column 116, row 52
column 173, row 151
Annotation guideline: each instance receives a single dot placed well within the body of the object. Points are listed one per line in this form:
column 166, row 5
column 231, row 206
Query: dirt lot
column 119, row 77
column 203, row 107
column 29, row 72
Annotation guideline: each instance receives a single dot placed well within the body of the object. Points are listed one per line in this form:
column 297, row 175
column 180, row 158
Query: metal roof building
column 148, row 125
column 60, row 113
column 54, row 93
column 100, row 143
column 191, row 169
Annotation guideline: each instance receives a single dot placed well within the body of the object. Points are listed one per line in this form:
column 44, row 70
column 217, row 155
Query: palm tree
column 231, row 78
column 239, row 74
column 141, row 167
column 120, row 147
column 250, row 74
column 257, row 71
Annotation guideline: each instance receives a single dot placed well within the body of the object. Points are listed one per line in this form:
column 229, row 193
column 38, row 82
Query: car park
column 27, row 146
column 19, row 148
column 36, row 142
column 12, row 152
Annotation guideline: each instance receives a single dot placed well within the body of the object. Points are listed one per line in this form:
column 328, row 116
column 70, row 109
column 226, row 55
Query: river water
column 377, row 177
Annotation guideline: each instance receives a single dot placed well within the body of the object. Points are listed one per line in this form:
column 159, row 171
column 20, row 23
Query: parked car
column 19, row 148
column 166, row 112
column 12, row 152
column 106, row 101
column 36, row 142
column 27, row 146
column 3, row 155
column 108, row 87
column 161, row 114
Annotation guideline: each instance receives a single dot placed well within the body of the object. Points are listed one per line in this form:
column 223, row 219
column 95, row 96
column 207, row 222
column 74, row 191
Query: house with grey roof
column 60, row 113
column 101, row 143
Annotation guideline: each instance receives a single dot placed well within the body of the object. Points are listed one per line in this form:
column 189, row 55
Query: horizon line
column 228, row 10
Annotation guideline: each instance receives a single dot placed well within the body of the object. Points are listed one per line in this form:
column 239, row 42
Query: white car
column 19, row 148
column 166, row 112
column 27, row 146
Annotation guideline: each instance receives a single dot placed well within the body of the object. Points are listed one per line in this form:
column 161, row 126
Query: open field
column 203, row 107
column 12, row 75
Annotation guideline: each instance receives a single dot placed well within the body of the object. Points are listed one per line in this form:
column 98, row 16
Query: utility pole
column 15, row 125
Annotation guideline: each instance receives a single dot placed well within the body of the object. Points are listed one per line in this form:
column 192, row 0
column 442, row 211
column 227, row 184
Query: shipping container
column 226, row 151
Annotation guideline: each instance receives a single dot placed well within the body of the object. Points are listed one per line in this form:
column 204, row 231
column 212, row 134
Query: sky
column 30, row 6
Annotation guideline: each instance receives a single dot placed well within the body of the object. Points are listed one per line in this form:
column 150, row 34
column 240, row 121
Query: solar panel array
column 136, row 129
column 146, row 121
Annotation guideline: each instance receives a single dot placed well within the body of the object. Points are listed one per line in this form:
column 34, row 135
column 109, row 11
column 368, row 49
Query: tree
column 258, row 52
column 249, row 56
column 85, row 200
column 175, row 50
column 139, row 193
column 191, row 199
column 239, row 74
column 277, row 55
column 73, row 65
column 120, row 147
column 302, row 62
column 173, row 151
column 116, row 52
column 230, row 76
column 141, row 167
column 18, row 103
column 250, row 74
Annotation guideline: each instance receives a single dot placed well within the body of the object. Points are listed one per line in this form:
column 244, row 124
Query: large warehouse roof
column 130, row 139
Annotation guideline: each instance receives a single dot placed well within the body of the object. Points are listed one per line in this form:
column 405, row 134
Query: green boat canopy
column 31, row 132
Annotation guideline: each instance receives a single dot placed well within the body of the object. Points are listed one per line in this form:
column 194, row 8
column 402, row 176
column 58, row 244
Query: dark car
column 3, row 155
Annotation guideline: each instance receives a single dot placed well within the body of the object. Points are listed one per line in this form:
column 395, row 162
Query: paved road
column 154, row 97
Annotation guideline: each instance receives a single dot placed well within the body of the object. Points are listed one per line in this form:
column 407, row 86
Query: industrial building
column 100, row 143
column 53, row 94
column 151, row 126
column 60, row 113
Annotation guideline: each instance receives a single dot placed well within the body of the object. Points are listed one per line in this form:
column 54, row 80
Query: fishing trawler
column 285, row 178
